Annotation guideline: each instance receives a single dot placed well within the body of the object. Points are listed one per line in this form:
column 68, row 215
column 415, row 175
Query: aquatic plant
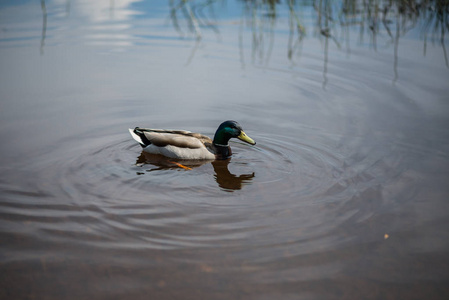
column 333, row 18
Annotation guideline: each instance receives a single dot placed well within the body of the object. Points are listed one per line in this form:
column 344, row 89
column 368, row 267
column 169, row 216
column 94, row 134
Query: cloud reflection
column 100, row 11
column 104, row 22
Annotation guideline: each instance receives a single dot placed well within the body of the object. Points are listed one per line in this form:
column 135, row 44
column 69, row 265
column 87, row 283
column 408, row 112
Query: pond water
column 345, row 195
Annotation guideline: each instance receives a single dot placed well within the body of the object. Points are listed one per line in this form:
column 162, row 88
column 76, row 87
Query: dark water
column 345, row 195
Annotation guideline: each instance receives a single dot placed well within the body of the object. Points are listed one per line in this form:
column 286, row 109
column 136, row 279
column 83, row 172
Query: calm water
column 345, row 195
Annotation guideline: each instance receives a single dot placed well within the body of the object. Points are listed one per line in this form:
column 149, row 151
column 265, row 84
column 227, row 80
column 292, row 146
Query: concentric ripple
column 110, row 191
column 115, row 189
column 120, row 170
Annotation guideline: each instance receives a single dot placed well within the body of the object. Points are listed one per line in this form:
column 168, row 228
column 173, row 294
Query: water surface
column 343, row 197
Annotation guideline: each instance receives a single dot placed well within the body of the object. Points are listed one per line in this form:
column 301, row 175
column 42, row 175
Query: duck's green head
column 228, row 130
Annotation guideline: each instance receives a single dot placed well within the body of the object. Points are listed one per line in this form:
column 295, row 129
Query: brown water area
column 344, row 196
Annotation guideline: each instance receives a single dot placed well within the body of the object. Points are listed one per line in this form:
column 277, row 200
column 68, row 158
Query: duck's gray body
column 183, row 144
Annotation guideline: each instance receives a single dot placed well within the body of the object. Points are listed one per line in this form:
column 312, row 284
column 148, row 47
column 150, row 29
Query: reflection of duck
column 182, row 144
column 164, row 163
column 225, row 179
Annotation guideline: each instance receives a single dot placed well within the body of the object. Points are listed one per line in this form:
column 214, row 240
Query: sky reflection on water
column 343, row 25
column 343, row 197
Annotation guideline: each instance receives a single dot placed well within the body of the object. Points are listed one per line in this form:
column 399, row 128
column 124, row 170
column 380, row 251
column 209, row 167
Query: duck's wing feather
column 177, row 138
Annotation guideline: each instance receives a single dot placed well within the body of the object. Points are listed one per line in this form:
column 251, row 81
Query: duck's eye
column 236, row 132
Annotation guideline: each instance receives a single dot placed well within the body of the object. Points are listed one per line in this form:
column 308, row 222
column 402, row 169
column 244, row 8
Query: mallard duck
column 181, row 144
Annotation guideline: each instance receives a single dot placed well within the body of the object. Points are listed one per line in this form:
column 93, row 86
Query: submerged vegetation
column 332, row 21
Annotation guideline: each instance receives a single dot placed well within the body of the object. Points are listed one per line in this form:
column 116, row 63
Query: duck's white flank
column 180, row 153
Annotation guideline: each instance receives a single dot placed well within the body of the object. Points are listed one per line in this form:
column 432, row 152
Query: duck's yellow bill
column 245, row 138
